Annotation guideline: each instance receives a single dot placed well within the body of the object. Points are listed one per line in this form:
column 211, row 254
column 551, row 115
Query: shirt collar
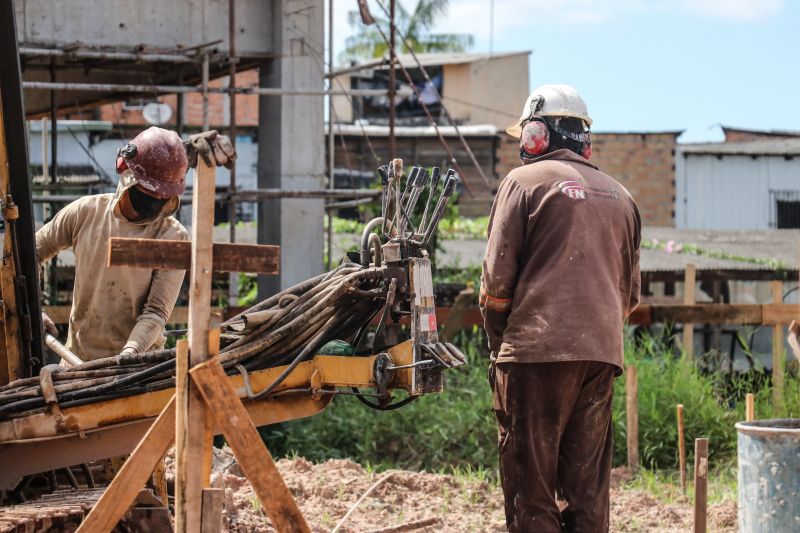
column 564, row 154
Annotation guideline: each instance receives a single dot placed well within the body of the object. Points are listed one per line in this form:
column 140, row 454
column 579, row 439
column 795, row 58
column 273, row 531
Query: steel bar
column 250, row 195
column 157, row 89
column 107, row 55
column 233, row 277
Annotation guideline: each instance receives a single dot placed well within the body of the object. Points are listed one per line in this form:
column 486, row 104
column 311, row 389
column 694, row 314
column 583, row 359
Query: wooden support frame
column 193, row 420
column 250, row 451
column 700, row 485
column 177, row 255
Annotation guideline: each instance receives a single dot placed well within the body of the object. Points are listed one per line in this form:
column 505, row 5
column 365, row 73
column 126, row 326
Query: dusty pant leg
column 584, row 470
column 532, row 403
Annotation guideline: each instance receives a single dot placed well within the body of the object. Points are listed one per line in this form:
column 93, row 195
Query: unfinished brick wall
column 643, row 162
column 218, row 107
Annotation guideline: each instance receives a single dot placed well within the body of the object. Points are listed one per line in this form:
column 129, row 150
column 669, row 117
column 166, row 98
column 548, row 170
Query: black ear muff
column 534, row 140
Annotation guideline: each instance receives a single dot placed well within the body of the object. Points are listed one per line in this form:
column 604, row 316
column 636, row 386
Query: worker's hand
column 48, row 325
column 215, row 149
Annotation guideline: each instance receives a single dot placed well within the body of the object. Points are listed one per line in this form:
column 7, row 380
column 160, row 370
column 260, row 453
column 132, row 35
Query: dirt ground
column 326, row 491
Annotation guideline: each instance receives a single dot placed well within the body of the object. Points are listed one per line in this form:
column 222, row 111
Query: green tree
column 415, row 25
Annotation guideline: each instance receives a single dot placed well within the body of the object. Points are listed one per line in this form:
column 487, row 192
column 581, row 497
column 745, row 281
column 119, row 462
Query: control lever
column 447, row 191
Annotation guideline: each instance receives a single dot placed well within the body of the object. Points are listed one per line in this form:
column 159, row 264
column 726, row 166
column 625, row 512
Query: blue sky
column 649, row 64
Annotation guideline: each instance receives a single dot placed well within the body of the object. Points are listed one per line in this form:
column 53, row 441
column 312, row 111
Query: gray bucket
column 769, row 476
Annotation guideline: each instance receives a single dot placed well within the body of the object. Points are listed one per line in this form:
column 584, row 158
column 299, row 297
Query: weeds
column 455, row 432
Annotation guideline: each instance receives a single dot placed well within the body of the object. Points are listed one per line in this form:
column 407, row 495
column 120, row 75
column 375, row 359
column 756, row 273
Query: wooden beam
column 127, row 484
column 688, row 299
column 177, row 255
column 778, row 355
column 700, row 485
column 681, row 448
column 195, row 418
column 632, row 416
column 708, row 313
column 213, row 500
column 248, row 447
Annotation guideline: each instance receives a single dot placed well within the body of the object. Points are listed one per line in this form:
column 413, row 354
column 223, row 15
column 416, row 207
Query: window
column 785, row 209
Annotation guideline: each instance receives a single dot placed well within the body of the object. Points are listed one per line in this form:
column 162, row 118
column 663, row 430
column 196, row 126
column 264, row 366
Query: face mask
column 147, row 206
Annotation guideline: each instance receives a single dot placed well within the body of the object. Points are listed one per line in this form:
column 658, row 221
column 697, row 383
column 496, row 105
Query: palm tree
column 415, row 26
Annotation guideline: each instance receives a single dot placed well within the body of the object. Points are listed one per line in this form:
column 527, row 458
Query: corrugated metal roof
column 471, row 130
column 779, row 147
column 780, row 245
column 782, row 133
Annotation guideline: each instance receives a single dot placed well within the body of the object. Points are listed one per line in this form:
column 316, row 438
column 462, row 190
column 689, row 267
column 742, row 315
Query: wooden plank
column 212, row 510
column 778, row 355
column 251, row 453
column 181, row 430
column 689, row 299
column 123, row 490
column 707, row 313
column 160, row 482
column 700, row 485
column 191, row 457
column 456, row 318
column 177, row 255
column 749, row 407
column 632, row 416
column 681, row 448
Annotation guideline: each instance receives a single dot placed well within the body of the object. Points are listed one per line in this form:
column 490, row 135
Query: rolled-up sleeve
column 636, row 275
column 59, row 233
column 164, row 289
column 506, row 237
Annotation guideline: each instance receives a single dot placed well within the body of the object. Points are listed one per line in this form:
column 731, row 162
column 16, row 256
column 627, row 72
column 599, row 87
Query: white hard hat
column 551, row 101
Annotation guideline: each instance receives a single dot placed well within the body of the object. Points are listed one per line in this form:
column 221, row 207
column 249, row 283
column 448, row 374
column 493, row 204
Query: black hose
column 379, row 407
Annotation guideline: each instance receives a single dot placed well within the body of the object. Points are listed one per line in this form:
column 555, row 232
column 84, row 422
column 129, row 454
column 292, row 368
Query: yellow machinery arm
column 46, row 441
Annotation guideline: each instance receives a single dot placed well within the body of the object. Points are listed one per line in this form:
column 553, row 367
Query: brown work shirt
column 561, row 271
column 112, row 307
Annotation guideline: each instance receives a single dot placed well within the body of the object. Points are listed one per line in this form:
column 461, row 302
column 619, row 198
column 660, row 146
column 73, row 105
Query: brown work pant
column 554, row 435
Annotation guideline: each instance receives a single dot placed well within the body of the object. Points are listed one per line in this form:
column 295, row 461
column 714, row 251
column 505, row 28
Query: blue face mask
column 147, row 206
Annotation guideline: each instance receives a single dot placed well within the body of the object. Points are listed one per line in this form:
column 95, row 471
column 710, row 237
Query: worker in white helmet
column 560, row 276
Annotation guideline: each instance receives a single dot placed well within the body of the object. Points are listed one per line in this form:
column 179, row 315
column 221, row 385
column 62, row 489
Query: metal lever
column 447, row 191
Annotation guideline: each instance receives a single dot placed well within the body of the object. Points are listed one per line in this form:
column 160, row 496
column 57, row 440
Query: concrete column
column 291, row 147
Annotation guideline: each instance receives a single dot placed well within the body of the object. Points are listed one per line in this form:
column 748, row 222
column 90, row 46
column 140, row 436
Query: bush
column 456, row 429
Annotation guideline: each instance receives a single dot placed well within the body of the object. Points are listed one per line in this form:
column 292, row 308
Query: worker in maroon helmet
column 560, row 277
column 122, row 309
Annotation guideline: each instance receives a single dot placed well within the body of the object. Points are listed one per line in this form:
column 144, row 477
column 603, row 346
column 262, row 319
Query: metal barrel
column 769, row 475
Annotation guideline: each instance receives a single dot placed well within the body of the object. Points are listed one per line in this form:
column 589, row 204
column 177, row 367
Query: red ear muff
column 534, row 140
column 586, row 153
column 122, row 166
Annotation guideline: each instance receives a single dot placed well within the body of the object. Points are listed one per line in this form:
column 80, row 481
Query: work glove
column 48, row 325
column 215, row 149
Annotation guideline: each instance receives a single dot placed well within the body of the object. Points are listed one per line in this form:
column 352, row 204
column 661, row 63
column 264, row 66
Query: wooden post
column 749, row 407
column 689, row 278
column 193, row 421
column 681, row 449
column 632, row 412
column 248, row 448
column 700, row 485
column 212, row 510
column 778, row 357
column 122, row 491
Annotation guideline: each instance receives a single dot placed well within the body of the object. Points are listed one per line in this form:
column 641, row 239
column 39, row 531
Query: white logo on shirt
column 573, row 189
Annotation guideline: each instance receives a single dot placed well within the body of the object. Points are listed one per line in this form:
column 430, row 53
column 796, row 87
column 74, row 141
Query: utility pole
column 392, row 80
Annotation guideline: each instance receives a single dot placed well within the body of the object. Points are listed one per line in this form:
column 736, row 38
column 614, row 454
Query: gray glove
column 215, row 149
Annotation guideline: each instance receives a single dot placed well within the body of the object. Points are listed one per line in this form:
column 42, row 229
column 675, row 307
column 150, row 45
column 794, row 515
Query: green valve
column 337, row 347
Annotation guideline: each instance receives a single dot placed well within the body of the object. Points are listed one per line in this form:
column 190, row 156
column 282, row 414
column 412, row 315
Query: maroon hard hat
column 158, row 161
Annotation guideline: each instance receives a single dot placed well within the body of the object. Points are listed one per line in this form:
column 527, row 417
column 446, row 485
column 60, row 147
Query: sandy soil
column 327, row 491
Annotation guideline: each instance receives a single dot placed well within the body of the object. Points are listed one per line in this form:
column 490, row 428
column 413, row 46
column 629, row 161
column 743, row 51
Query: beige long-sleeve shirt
column 561, row 271
column 112, row 307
